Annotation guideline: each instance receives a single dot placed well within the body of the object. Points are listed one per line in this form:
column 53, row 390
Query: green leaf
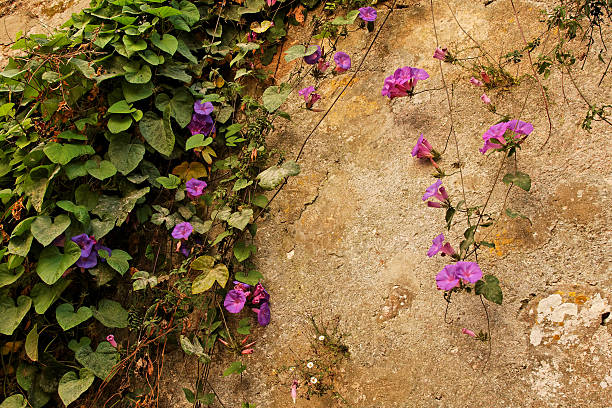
column 46, row 231
column 100, row 362
column 349, row 19
column 274, row 96
column 203, row 263
column 519, row 179
column 235, row 368
column 171, row 182
column 80, row 212
column 134, row 44
column 118, row 260
column 240, row 184
column 136, row 92
column 7, row 277
column 14, row 401
column 244, row 327
column 168, row 43
column 175, row 70
column 63, row 153
column 260, row 201
column 71, row 386
column 119, row 123
column 152, row 58
column 450, row 213
column 273, row 176
column 121, row 107
column 102, row 170
column 31, row 343
column 52, row 263
column 490, row 289
column 124, row 153
column 189, row 12
column 141, row 76
column 202, row 283
column 163, row 12
column 21, row 245
column 12, row 314
column 181, row 107
column 68, row 318
column 158, row 132
column 240, row 219
column 43, row 296
column 220, row 237
column 111, row 314
column 515, row 214
column 243, row 251
column 252, row 278
column 190, row 348
column 197, row 141
column 116, row 209
column 299, row 51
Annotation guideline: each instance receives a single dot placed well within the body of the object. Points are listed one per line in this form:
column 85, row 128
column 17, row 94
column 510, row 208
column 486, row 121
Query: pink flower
column 322, row 65
column 271, row 2
column 294, row 386
column 234, row 301
column 468, row 332
column 476, row 82
column 446, row 279
column 437, row 247
column 252, row 36
column 111, row 339
column 468, row 271
column 485, row 99
column 495, row 136
column 343, row 61
column 403, row 81
column 247, row 351
column 310, row 96
column 422, row 149
column 436, row 190
column 485, row 77
column 440, row 53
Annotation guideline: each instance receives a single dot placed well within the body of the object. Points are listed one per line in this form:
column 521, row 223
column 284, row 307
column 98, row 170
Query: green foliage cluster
column 94, row 140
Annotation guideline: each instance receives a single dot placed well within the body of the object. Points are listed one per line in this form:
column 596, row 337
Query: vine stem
column 535, row 74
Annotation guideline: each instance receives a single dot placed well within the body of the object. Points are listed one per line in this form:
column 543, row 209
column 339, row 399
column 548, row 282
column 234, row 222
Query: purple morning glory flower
column 313, row 58
column 403, row 81
column 85, row 242
column 322, row 65
column 422, row 149
column 263, row 314
column 195, row 187
column 182, row 230
column 89, row 261
column 310, row 97
column 305, row 92
column 201, row 124
column 440, row 53
column 436, row 245
column 234, row 301
column 436, row 190
column 260, row 295
column 203, row 108
column 367, row 13
column 468, row 271
column 243, row 287
column 342, row 60
column 447, row 279
column 494, row 137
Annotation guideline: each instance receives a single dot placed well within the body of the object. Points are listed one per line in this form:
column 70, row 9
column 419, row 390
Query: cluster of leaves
column 94, row 140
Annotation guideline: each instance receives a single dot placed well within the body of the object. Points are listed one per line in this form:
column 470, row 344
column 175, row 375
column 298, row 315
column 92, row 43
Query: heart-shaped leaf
column 63, row 153
column 203, row 263
column 12, row 314
column 519, row 179
column 240, row 219
column 158, row 131
column 261, row 28
column 119, row 123
column 274, row 96
column 205, row 281
column 111, row 314
column 168, row 43
column 43, row 296
column 14, row 401
column 67, row 318
column 72, row 386
column 252, row 278
column 31, row 343
column 101, row 361
column 118, row 260
column 46, row 231
column 124, row 153
column 100, row 170
column 490, row 289
column 7, row 276
column 52, row 263
column 273, row 176
column 299, row 51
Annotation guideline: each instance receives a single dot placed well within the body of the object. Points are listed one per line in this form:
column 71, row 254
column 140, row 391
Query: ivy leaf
column 349, row 19
column 31, row 343
column 118, row 260
column 274, row 96
column 158, row 132
column 490, row 289
column 46, row 231
column 202, row 283
column 240, row 219
column 64, row 153
column 124, row 153
column 12, row 314
column 43, row 296
column 134, row 44
column 52, row 263
column 111, row 314
column 273, row 176
column 7, row 277
column 243, row 251
column 299, row 51
column 100, row 170
column 68, row 318
column 519, row 179
column 71, row 386
column 101, row 361
column 168, row 43
column 235, row 368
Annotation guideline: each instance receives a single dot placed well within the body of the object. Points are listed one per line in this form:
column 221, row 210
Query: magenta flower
column 342, row 60
column 403, row 81
column 195, row 187
column 468, row 271
column 494, row 137
column 310, row 97
column 440, row 53
column 322, row 65
column 368, row 13
column 447, row 249
column 484, row 98
column 263, row 314
column 182, row 230
column 485, row 77
column 476, row 82
column 252, row 36
column 436, row 245
column 313, row 58
column 422, row 149
column 201, row 124
column 305, row 92
column 271, row 2
column 294, row 386
column 234, row 301
column 260, row 295
column 446, row 279
column 85, row 242
column 111, row 339
column 436, row 190
column 243, row 287
column 468, row 332
column 203, row 108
